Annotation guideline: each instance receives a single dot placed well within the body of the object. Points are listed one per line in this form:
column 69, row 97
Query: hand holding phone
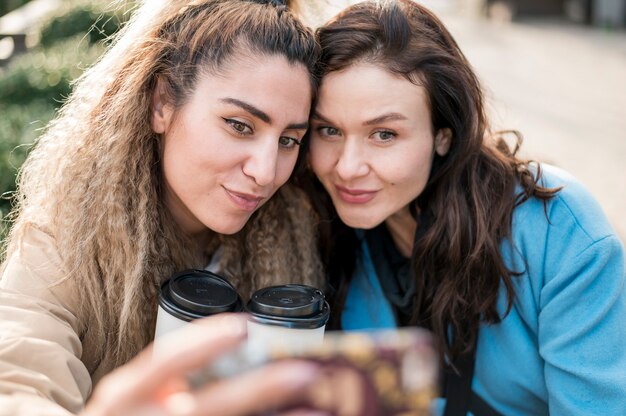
column 389, row 372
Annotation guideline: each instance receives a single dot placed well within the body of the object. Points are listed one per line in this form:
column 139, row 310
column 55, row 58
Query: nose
column 262, row 161
column 352, row 161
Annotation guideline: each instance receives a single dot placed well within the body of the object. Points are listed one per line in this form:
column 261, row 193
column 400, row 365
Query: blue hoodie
column 561, row 350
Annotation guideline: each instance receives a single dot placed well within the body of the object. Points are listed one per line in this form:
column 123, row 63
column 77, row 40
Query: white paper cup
column 287, row 317
column 193, row 294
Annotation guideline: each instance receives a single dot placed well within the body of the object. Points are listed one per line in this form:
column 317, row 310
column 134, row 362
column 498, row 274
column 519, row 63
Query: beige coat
column 44, row 367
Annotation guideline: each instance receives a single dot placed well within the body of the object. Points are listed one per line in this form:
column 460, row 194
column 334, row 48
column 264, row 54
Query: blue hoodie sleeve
column 561, row 348
column 582, row 330
column 582, row 309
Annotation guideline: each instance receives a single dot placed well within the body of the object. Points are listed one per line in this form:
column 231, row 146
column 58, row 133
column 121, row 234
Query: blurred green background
column 9, row 5
column 34, row 84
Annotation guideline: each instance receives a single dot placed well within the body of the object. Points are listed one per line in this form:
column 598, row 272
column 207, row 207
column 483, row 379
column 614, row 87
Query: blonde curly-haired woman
column 169, row 148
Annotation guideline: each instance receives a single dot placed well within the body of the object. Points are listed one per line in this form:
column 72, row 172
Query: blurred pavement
column 564, row 87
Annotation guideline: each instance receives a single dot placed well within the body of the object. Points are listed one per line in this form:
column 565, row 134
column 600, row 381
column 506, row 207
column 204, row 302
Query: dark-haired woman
column 437, row 223
column 179, row 142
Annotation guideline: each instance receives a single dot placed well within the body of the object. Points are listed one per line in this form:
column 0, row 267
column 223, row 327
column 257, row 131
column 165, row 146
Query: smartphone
column 370, row 373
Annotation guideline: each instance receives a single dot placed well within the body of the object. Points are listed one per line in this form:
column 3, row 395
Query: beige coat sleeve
column 40, row 368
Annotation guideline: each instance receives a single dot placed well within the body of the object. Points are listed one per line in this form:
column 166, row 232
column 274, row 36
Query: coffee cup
column 290, row 317
column 193, row 294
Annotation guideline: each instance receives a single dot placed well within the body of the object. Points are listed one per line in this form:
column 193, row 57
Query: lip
column 355, row 196
column 245, row 202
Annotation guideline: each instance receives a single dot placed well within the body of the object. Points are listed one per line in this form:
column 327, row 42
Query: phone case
column 374, row 373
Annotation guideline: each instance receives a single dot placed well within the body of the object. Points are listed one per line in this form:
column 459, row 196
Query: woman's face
column 233, row 143
column 372, row 144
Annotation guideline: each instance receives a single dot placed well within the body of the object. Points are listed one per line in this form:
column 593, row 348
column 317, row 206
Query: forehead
column 370, row 90
column 269, row 82
column 242, row 62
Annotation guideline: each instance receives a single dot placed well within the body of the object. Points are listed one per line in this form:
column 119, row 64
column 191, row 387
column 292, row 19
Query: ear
column 161, row 110
column 443, row 140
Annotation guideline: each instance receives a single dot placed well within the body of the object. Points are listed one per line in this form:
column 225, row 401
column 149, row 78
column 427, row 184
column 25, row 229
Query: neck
column 402, row 227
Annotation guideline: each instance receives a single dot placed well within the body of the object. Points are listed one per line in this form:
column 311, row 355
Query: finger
column 180, row 352
column 203, row 340
column 269, row 387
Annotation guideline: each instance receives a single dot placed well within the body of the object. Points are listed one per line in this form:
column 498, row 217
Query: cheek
column 285, row 169
column 418, row 153
column 178, row 160
column 177, row 142
column 190, row 166
column 321, row 157
column 412, row 175
column 170, row 159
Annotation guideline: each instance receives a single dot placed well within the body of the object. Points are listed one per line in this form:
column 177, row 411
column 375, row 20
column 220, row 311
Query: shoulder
column 572, row 212
column 34, row 267
column 34, row 246
column 566, row 235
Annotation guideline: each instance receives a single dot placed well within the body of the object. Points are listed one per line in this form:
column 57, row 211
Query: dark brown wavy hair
column 466, row 209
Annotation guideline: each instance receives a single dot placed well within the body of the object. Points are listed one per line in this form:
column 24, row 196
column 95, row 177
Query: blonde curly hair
column 93, row 180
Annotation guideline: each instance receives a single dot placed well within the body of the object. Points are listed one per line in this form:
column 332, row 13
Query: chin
column 361, row 223
column 229, row 231
column 228, row 228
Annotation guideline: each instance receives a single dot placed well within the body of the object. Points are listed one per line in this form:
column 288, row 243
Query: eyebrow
column 377, row 120
column 320, row 117
column 385, row 117
column 260, row 114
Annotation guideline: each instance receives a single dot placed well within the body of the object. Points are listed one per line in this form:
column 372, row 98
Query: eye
column 328, row 131
column 384, row 135
column 287, row 142
column 238, row 127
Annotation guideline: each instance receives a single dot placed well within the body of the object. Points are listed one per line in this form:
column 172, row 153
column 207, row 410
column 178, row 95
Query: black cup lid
column 287, row 300
column 293, row 306
column 194, row 294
